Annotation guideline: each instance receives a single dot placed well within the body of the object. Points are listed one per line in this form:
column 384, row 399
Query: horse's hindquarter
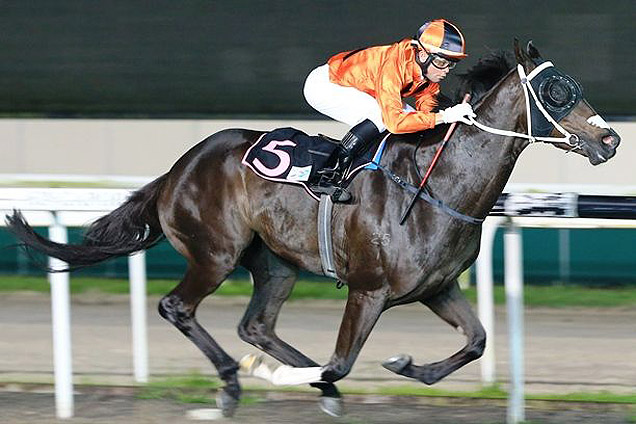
column 212, row 203
column 285, row 218
column 202, row 207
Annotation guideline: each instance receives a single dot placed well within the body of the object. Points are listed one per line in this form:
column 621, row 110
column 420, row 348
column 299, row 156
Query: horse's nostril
column 610, row 140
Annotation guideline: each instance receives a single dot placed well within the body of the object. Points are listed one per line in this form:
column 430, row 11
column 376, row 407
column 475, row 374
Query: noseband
column 557, row 92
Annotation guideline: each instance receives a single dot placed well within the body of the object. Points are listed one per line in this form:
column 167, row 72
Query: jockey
column 364, row 89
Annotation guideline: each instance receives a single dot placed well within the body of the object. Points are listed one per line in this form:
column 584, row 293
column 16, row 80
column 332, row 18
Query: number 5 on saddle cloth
column 289, row 155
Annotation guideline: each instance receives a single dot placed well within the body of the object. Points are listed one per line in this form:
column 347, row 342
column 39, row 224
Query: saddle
column 288, row 155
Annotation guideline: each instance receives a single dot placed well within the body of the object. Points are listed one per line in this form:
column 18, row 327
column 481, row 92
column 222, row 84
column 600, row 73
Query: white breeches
column 344, row 104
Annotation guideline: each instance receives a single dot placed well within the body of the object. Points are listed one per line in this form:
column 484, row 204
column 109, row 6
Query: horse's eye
column 559, row 92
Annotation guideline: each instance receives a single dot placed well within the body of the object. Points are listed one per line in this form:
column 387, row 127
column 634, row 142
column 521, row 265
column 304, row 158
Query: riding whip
column 432, row 165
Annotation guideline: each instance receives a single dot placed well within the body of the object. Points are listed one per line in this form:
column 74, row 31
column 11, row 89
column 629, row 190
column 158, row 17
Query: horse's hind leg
column 452, row 307
column 179, row 307
column 274, row 280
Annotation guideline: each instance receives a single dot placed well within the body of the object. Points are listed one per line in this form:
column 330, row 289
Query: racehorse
column 218, row 214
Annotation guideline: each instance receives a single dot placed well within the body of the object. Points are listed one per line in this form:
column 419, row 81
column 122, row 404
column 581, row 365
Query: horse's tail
column 131, row 227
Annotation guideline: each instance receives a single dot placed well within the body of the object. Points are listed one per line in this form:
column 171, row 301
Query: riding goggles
column 441, row 62
column 435, row 59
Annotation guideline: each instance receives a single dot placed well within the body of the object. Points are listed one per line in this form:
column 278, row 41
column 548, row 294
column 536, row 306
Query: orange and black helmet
column 442, row 38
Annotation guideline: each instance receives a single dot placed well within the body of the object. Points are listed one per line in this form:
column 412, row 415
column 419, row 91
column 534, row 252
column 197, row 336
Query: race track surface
column 566, row 350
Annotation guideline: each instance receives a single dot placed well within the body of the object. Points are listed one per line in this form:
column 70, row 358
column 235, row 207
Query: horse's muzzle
column 601, row 152
column 612, row 140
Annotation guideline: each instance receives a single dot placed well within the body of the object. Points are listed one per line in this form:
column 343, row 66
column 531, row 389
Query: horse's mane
column 483, row 76
column 479, row 79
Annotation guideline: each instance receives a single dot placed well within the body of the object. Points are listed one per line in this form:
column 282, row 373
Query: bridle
column 556, row 91
column 538, row 103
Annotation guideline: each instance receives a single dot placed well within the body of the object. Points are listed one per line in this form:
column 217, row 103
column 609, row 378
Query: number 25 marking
column 283, row 157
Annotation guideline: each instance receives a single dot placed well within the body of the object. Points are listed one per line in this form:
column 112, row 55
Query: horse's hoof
column 249, row 362
column 227, row 403
column 333, row 406
column 397, row 363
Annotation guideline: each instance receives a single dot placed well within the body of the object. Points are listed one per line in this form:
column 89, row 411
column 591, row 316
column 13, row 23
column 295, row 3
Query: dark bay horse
column 218, row 214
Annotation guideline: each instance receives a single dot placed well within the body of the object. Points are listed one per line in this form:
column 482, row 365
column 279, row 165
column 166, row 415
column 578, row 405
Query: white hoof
column 291, row 376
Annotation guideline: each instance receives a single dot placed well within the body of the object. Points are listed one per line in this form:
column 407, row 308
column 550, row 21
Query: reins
column 424, row 195
column 570, row 139
column 447, row 136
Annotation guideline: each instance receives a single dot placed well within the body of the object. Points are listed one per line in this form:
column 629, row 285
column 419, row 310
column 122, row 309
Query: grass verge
column 196, row 388
column 193, row 388
column 557, row 296
column 496, row 392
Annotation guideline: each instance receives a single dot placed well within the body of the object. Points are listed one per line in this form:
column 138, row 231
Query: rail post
column 485, row 296
column 137, row 275
column 61, row 326
column 513, row 270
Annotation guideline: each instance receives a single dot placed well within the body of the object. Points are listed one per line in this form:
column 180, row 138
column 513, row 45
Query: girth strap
column 325, row 243
column 428, row 198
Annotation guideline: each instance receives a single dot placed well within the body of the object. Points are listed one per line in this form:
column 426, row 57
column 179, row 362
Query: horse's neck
column 487, row 158
column 478, row 164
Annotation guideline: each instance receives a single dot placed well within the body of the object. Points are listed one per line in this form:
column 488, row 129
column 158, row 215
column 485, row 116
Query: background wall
column 146, row 147
column 250, row 57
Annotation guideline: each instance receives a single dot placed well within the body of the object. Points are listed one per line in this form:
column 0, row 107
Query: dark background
column 249, row 58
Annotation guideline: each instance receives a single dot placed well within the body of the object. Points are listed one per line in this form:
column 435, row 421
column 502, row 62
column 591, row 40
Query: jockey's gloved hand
column 459, row 113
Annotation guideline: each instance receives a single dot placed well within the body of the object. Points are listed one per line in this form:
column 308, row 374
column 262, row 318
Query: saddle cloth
column 289, row 155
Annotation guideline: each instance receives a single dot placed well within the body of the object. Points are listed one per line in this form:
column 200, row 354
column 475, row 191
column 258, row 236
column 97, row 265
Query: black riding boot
column 354, row 143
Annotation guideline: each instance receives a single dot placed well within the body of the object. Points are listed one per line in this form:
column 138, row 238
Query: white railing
column 539, row 211
column 58, row 209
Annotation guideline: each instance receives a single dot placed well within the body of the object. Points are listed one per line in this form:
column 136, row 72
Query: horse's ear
column 521, row 56
column 534, row 54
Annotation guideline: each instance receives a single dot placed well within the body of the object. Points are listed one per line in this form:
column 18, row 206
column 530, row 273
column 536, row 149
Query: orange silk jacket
column 389, row 73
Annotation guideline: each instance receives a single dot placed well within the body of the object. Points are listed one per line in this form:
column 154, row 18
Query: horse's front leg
column 452, row 307
column 361, row 313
